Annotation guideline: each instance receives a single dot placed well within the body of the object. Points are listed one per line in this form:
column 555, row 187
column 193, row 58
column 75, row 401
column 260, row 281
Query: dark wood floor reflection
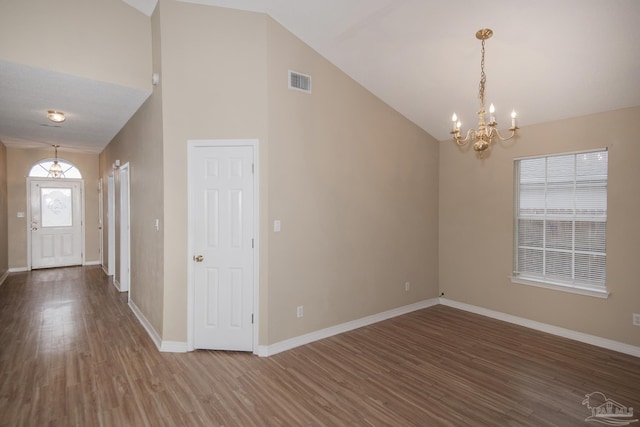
column 73, row 354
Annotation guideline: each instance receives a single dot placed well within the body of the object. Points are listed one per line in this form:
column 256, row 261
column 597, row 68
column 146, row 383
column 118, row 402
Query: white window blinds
column 561, row 219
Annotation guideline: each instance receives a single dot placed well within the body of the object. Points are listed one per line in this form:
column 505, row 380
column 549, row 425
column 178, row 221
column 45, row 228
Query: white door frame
column 82, row 219
column 191, row 145
column 125, row 230
column 111, row 225
column 100, row 222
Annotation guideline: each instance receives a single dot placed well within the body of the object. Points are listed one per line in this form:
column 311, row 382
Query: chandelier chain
column 483, row 78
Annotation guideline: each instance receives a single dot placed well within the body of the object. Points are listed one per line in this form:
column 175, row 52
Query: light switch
column 20, row 214
column 276, row 226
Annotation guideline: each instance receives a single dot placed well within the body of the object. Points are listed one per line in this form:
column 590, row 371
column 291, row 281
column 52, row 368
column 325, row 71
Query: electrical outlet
column 636, row 319
column 300, row 311
column 407, row 286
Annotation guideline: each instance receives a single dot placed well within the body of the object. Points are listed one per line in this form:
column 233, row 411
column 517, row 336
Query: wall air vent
column 299, row 81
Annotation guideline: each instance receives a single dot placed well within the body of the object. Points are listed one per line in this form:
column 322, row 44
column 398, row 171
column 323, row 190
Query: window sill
column 573, row 289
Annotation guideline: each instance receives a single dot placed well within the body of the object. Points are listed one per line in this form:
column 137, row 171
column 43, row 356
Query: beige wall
column 19, row 162
column 84, row 38
column 4, row 221
column 354, row 183
column 355, row 186
column 139, row 143
column 214, row 74
column 476, row 227
column 209, row 89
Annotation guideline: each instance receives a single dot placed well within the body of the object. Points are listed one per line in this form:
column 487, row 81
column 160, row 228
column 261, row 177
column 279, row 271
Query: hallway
column 73, row 354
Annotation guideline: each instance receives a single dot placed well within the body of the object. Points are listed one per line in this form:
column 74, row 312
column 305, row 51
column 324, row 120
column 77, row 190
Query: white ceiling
column 548, row 60
column 95, row 110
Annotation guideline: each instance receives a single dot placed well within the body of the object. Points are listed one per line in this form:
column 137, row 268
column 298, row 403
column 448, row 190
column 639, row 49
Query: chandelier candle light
column 486, row 132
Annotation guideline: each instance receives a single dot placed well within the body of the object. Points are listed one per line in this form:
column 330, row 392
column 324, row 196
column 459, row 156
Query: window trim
column 597, row 291
column 575, row 288
column 568, row 153
column 61, row 161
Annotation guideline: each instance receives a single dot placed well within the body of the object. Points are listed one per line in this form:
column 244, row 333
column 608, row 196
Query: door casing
column 124, row 274
column 100, row 222
column 111, row 225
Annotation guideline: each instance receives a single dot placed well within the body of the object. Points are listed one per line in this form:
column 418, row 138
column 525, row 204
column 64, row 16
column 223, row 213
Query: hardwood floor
column 73, row 354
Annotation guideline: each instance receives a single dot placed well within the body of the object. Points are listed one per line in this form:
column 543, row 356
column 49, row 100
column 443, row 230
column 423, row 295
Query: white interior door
column 221, row 187
column 125, row 232
column 55, row 222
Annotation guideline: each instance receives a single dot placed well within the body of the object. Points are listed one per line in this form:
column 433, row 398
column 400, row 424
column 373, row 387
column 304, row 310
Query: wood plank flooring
column 73, row 354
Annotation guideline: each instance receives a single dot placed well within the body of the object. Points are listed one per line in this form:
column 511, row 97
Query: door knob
column 34, row 228
column 198, row 258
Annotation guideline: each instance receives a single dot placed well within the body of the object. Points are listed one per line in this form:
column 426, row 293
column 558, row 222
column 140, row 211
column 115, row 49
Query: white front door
column 55, row 222
column 221, row 211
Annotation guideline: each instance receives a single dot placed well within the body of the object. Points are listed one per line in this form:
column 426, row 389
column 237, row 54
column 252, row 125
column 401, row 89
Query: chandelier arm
column 471, row 133
column 512, row 130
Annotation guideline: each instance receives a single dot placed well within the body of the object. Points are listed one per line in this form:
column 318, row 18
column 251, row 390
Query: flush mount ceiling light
column 486, row 132
column 56, row 116
column 55, row 170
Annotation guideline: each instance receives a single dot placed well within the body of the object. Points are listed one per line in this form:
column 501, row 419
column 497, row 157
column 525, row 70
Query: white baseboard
column 116, row 284
column 4, row 276
column 155, row 337
column 270, row 350
column 104, row 269
column 554, row 330
column 163, row 346
column 18, row 269
column 91, row 263
column 173, row 347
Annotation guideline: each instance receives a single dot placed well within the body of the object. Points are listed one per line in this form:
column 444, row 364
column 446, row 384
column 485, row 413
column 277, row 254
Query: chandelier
column 55, row 170
column 486, row 132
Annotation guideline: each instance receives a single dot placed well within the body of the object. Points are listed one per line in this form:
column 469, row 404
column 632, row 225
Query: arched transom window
column 42, row 168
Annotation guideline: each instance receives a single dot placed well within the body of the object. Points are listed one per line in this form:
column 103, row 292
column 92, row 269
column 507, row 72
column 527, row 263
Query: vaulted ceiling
column 548, row 59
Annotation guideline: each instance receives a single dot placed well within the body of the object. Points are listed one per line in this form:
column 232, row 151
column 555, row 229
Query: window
column 561, row 221
column 41, row 169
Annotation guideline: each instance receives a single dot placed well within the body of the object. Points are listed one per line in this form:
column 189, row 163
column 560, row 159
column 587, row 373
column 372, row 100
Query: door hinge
column 252, row 242
column 252, row 318
column 253, row 170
